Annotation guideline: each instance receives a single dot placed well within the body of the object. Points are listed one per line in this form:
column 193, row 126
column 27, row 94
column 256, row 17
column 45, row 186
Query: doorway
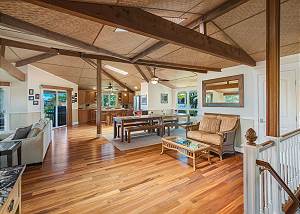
column 3, row 109
column 55, row 107
column 288, row 102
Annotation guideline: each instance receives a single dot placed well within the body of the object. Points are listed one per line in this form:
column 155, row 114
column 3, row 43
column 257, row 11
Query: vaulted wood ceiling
column 245, row 25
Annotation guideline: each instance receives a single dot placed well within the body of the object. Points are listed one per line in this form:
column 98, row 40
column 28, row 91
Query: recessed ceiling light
column 94, row 88
column 116, row 69
column 135, row 87
column 120, row 30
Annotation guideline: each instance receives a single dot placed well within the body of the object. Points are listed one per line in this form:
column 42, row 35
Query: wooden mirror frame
column 240, row 79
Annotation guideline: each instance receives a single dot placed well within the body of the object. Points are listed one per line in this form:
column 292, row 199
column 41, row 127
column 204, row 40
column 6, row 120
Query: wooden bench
column 130, row 125
column 128, row 130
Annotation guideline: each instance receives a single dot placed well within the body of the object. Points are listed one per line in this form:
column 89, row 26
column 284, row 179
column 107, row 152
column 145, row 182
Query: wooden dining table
column 136, row 119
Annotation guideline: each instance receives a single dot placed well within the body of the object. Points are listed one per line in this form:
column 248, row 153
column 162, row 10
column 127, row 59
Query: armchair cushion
column 205, row 137
column 210, row 125
column 227, row 123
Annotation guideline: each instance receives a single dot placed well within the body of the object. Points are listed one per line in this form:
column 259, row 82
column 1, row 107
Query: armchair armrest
column 5, row 135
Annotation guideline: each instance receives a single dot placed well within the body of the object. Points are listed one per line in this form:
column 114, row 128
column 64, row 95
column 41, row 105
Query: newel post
column 251, row 174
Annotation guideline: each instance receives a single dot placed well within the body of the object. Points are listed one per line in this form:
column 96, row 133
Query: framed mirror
column 223, row 92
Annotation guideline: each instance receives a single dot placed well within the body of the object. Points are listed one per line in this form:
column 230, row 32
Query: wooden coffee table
column 188, row 148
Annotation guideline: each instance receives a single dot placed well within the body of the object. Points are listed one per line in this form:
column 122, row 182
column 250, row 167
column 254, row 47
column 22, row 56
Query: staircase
column 272, row 174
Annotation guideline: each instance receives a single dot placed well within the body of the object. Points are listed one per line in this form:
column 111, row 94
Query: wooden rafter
column 11, row 69
column 193, row 23
column 94, row 64
column 141, row 72
column 17, row 44
column 35, row 58
column 4, row 83
column 2, row 50
column 141, row 22
column 17, row 24
column 221, row 9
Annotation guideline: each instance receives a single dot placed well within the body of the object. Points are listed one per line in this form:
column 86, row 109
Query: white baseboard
column 239, row 149
column 75, row 123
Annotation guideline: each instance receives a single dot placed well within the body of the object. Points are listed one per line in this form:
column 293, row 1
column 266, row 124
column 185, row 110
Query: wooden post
column 2, row 50
column 99, row 98
column 202, row 28
column 273, row 68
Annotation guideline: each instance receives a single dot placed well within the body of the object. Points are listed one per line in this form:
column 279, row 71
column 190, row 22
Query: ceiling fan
column 111, row 88
column 154, row 80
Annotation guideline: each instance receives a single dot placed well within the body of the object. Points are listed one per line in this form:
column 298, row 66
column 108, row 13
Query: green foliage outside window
column 109, row 100
column 232, row 98
column 193, row 98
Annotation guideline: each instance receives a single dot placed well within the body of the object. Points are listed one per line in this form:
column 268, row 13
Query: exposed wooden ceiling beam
column 148, row 24
column 141, row 72
column 149, row 71
column 11, row 70
column 221, row 9
column 20, row 25
column 35, row 58
column 17, row 44
column 4, row 83
column 194, row 22
column 226, row 35
column 149, row 50
column 94, row 64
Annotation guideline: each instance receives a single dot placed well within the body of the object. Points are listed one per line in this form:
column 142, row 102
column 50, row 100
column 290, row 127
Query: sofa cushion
column 205, row 137
column 34, row 132
column 227, row 123
column 208, row 124
column 22, row 133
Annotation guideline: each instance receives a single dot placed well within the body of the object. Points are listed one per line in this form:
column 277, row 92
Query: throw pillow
column 210, row 125
column 22, row 133
column 34, row 132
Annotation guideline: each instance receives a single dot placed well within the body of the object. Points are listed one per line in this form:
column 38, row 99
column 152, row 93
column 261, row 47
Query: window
column 181, row 99
column 109, row 100
column 193, row 98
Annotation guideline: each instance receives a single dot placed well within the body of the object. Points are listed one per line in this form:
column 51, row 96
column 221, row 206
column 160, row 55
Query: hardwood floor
column 82, row 174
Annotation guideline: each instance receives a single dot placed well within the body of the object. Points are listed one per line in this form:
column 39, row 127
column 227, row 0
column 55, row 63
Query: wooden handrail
column 289, row 134
column 266, row 145
column 267, row 166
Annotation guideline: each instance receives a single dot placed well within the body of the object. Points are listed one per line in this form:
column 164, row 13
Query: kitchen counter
column 9, row 183
column 89, row 115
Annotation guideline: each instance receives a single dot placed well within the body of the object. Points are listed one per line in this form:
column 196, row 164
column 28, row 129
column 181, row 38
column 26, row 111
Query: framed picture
column 31, row 92
column 37, row 96
column 30, row 97
column 163, row 98
column 35, row 102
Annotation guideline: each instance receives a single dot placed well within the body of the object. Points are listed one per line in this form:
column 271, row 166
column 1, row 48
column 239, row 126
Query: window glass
column 181, row 99
column 193, row 98
column 112, row 100
column 105, row 100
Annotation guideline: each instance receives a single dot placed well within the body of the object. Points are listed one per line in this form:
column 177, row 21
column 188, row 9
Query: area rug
column 140, row 139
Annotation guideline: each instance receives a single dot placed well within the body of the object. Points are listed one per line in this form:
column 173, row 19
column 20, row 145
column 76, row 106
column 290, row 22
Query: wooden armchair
column 222, row 138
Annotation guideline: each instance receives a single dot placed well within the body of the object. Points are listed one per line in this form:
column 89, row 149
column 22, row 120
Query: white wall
column 21, row 111
column 250, row 112
column 153, row 93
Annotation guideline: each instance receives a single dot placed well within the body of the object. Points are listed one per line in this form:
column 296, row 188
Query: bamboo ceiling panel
column 70, row 78
column 10, row 56
column 119, row 42
column 32, row 39
column 59, row 70
column 67, row 61
column 143, row 46
column 65, row 24
column 20, row 54
column 190, row 57
column 241, row 13
column 173, row 74
column 206, row 5
column 163, row 51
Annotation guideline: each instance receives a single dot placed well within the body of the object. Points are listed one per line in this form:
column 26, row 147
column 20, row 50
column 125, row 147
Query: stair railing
column 263, row 191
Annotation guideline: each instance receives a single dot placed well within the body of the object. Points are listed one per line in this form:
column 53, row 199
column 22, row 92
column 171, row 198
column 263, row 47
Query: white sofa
column 33, row 149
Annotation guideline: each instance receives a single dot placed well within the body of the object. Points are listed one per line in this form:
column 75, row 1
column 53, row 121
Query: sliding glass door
column 55, row 107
